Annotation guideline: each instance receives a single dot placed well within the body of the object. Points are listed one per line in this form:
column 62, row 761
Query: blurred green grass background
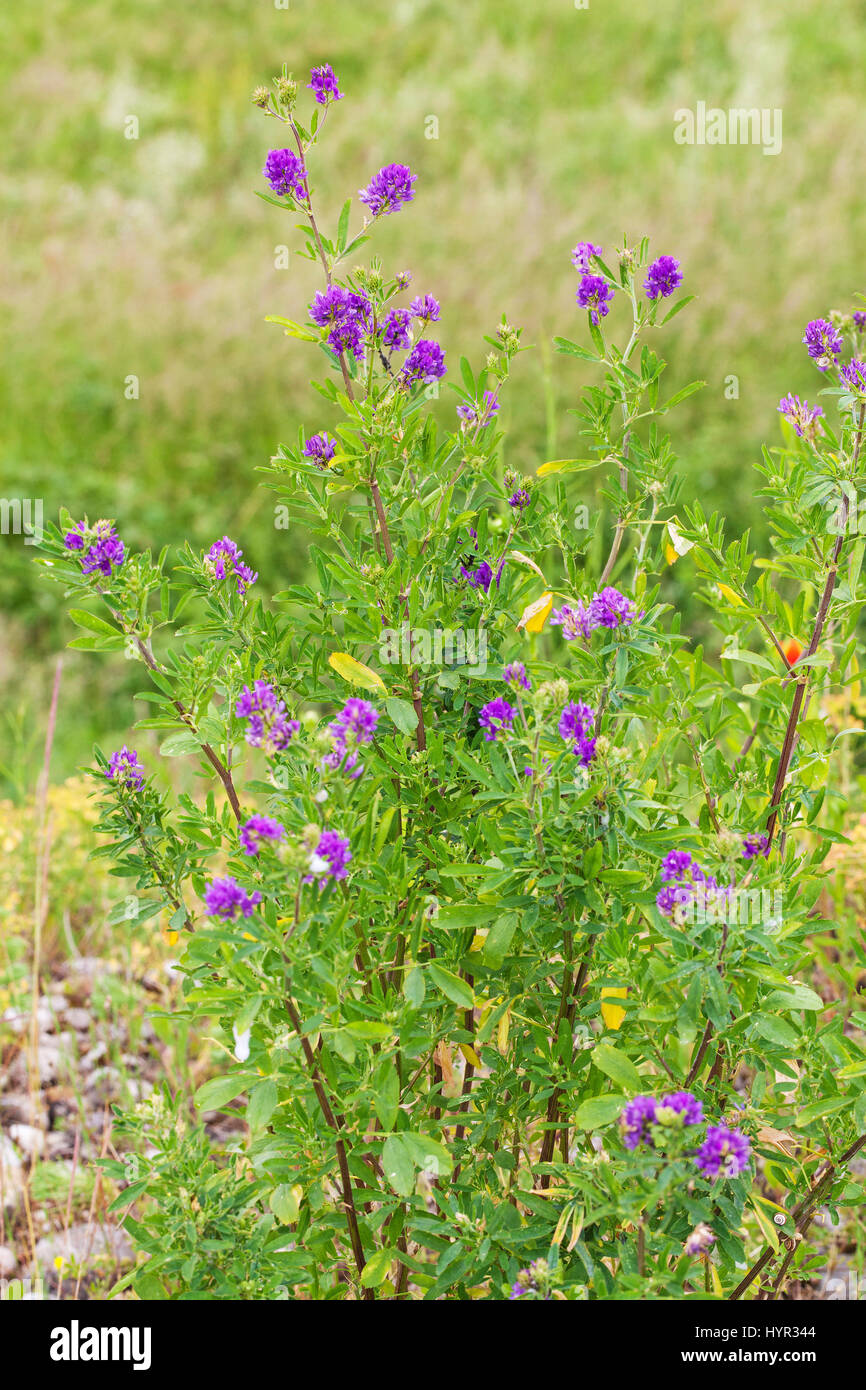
column 152, row 257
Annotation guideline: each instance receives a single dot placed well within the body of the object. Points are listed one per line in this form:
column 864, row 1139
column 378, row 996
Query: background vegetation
column 152, row 257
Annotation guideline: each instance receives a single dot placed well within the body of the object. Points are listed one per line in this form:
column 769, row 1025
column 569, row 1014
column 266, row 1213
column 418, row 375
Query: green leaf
column 499, row 940
column 285, row 1202
column 376, row 1269
column 262, row 1104
column 91, row 623
column 178, row 744
column 428, row 1154
column 598, row 1111
column 398, row 1166
column 413, row 987
column 221, row 1089
column 796, row 997
column 386, row 1099
column 459, row 916
column 617, row 1066
column 451, row 986
column 403, row 715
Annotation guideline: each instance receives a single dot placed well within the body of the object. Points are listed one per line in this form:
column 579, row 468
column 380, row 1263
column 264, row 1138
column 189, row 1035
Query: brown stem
column 336, row 1124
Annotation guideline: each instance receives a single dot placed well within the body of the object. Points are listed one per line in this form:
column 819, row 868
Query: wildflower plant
column 444, row 919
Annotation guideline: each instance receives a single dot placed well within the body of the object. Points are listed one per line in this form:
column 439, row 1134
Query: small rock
column 11, row 1174
column 15, row 1106
column 84, row 1242
column 90, row 1059
column 29, row 1139
column 79, row 1019
column 8, row 1262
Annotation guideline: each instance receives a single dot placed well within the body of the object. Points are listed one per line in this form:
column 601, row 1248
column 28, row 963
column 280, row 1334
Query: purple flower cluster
column 396, row 334
column 101, row 547
column 701, row 1239
column 257, row 829
column 824, row 343
column 595, row 294
column 859, row 317
column 515, row 675
column 755, row 845
column 684, row 879
column 329, row 858
column 320, row 448
column 388, row 190
column 425, row 363
column 125, row 769
column 425, row 307
column 324, row 84
column 575, row 725
column 348, row 315
column 226, row 898
column 268, row 726
column 663, row 277
column 679, row 1109
column 477, row 576
column 519, row 499
column 583, row 254
column 480, row 413
column 286, row 174
column 354, row 725
column 801, row 415
column 496, row 717
column 854, row 376
column 609, row 609
column 224, row 559
column 725, row 1152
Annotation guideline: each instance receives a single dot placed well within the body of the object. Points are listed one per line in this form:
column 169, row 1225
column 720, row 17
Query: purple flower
column 348, row 315
column 684, row 1104
column 226, row 898
column 259, row 828
column 595, row 294
column 329, row 858
column 662, row 278
column 100, row 545
column 357, row 718
column 700, row 1240
column 859, row 317
column 676, row 865
column 320, row 448
column 515, row 675
column 637, row 1120
column 725, row 1152
column 388, row 190
column 396, row 334
column 224, row 558
column 497, row 716
column 425, row 307
column 425, row 363
column 574, row 621
column 286, row 174
column 575, row 725
column 324, row 84
column 754, row 845
column 854, row 375
column 583, row 254
column 403, row 279
column 823, row 342
column 801, row 415
column 268, row 726
column 478, row 576
column 125, row 769
column 611, row 609
column 520, row 499
column 480, row 414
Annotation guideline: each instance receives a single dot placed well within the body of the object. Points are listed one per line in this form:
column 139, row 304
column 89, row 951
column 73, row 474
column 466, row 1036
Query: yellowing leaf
column 535, row 615
column 502, row 1032
column 356, row 672
column 670, row 553
column 525, row 560
column 678, row 544
column 479, row 939
column 727, row 592
column 471, row 1055
column 612, row 1014
column 714, row 1275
